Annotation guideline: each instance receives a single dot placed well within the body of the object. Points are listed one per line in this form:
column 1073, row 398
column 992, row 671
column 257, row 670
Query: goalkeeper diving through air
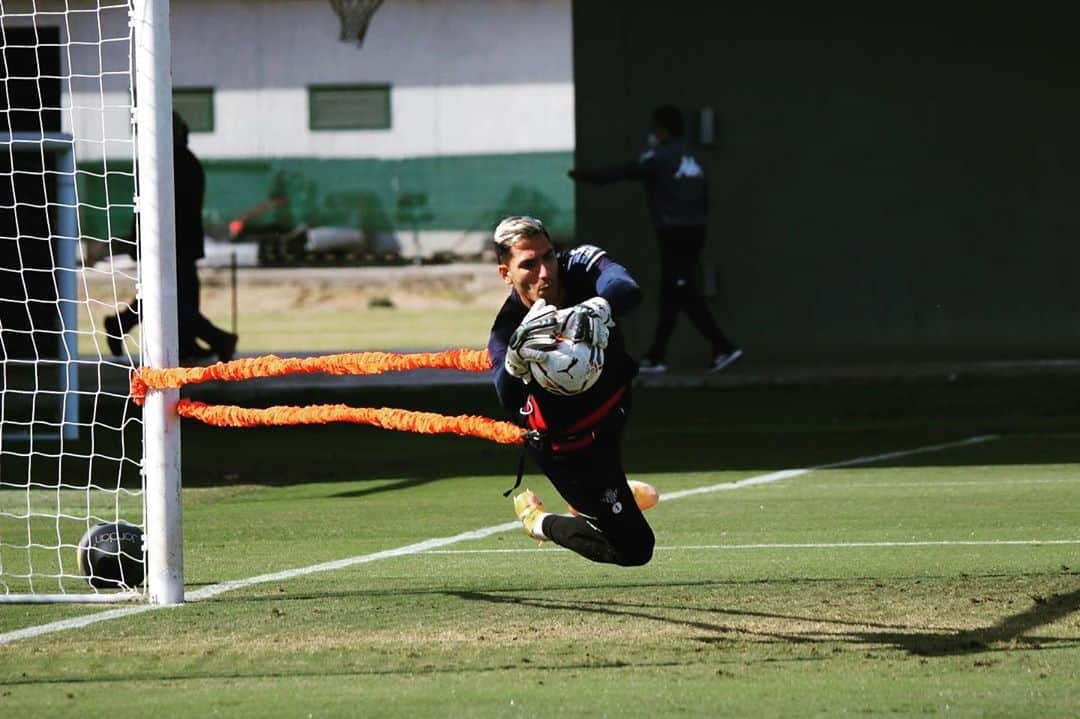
column 562, row 369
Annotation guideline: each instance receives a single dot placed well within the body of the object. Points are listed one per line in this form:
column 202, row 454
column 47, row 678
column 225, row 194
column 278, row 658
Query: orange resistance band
column 340, row 364
column 385, row 417
column 150, row 378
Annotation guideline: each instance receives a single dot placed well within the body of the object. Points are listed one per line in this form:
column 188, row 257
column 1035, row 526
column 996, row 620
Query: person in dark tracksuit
column 676, row 187
column 189, row 182
column 575, row 440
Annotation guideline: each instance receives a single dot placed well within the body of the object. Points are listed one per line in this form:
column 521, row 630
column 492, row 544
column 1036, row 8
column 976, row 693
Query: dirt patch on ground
column 331, row 289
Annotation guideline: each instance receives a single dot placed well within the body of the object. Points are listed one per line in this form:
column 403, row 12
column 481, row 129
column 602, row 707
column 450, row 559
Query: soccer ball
column 110, row 556
column 571, row 368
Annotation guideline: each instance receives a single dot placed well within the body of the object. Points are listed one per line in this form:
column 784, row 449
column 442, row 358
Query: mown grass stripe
column 429, row 545
column 805, row 545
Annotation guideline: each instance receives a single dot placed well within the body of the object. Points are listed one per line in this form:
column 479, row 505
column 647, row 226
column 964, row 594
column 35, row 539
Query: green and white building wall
column 449, row 116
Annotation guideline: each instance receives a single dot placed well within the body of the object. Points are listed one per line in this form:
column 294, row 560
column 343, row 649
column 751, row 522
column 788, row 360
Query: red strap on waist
column 573, row 445
column 536, row 420
column 599, row 413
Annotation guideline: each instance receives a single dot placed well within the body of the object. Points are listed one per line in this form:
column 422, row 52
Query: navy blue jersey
column 585, row 272
column 673, row 174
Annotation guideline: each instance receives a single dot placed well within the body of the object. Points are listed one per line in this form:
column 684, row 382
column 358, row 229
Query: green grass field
column 935, row 583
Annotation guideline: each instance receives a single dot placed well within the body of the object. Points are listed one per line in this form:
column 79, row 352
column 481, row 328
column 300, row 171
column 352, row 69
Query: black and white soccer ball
column 571, row 368
column 110, row 556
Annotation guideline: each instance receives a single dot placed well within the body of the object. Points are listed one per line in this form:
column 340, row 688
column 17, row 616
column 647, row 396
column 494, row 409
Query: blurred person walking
column 190, row 189
column 676, row 187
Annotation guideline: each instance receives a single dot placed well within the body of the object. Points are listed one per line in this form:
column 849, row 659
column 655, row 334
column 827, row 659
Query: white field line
column 216, row 589
column 914, row 543
column 418, row 548
column 816, row 545
column 932, row 484
column 73, row 623
column 433, row 544
column 789, row 473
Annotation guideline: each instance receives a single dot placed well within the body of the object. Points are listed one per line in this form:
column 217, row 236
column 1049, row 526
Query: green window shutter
column 196, row 106
column 349, row 107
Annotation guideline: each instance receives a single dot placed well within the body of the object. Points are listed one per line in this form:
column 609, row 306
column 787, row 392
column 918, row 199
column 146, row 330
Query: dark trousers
column 611, row 528
column 191, row 324
column 680, row 291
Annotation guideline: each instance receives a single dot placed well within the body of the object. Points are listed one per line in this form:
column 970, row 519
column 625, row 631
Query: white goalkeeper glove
column 545, row 357
column 536, row 333
column 516, row 366
column 588, row 322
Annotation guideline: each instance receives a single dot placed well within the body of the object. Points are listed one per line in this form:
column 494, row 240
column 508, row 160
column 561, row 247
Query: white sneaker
column 723, row 361
column 647, row 366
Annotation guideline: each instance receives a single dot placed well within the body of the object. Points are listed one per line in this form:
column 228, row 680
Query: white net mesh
column 70, row 436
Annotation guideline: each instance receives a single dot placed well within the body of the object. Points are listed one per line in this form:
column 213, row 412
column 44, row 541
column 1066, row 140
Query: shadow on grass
column 678, row 430
column 756, row 429
column 411, row 670
column 1009, row 631
column 391, row 487
column 1007, row 634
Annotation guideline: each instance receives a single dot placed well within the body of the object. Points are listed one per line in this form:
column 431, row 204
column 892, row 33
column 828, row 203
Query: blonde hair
column 513, row 229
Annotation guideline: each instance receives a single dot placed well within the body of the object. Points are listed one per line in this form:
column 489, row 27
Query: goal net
column 73, row 445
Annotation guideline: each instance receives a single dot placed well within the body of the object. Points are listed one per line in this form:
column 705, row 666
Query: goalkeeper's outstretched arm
column 642, row 169
column 615, row 285
column 510, row 389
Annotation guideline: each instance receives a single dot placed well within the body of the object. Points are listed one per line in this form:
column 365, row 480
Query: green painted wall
column 461, row 193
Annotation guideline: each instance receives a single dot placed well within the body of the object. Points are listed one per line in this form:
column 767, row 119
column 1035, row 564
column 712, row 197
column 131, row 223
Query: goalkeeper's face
column 533, row 271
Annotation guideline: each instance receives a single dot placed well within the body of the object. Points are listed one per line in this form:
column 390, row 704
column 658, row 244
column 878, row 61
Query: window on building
column 196, row 106
column 349, row 107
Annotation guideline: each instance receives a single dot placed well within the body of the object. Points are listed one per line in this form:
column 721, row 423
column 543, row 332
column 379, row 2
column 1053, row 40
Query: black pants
column 611, row 528
column 192, row 325
column 680, row 291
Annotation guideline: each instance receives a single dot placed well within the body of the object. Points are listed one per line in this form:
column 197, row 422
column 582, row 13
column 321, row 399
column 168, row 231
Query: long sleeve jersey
column 673, row 174
column 585, row 272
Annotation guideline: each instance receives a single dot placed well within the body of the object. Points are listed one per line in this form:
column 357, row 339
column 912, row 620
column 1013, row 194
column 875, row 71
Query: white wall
column 456, row 120
column 467, row 77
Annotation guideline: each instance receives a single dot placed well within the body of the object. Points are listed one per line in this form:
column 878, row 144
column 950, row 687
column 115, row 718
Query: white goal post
column 85, row 146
